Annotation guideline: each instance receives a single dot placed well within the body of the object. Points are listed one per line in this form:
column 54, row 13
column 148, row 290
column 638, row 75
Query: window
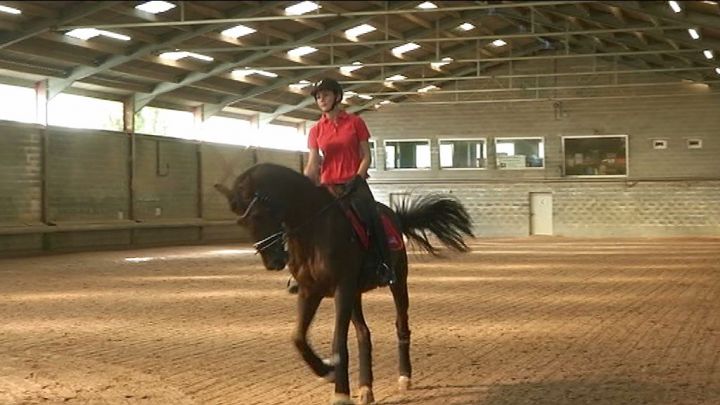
column 407, row 154
column 226, row 130
column 595, row 155
column 73, row 111
column 462, row 153
column 519, row 153
column 281, row 137
column 373, row 156
column 17, row 103
column 161, row 121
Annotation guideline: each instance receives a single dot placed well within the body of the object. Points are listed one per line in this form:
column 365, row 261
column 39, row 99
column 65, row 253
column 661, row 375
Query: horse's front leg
column 364, row 353
column 307, row 305
column 345, row 295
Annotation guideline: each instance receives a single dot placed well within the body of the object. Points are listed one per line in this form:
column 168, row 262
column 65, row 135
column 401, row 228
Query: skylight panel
column 708, row 54
column 498, row 43
column 466, row 26
column 675, row 6
column 427, row 88
column 354, row 32
column 399, row 50
column 301, row 51
column 694, row 34
column 346, row 70
column 176, row 55
column 302, row 8
column 428, row 5
column 300, row 85
column 248, row 72
column 87, row 33
column 444, row 61
column 9, row 10
column 395, row 78
column 238, row 31
column 155, row 7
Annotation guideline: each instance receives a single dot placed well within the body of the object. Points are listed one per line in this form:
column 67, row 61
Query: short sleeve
column 312, row 138
column 361, row 130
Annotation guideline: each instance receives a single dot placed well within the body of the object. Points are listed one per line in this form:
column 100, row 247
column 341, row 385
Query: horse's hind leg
column 307, row 307
column 400, row 296
column 364, row 352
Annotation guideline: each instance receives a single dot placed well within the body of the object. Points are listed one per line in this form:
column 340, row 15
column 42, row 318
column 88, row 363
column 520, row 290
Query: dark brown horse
column 297, row 224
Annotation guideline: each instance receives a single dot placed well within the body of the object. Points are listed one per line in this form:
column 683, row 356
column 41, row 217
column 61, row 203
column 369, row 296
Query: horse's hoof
column 403, row 383
column 341, row 399
column 366, row 395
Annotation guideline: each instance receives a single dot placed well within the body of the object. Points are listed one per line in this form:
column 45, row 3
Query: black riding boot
column 365, row 205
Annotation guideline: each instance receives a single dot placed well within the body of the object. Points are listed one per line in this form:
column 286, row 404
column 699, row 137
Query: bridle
column 283, row 233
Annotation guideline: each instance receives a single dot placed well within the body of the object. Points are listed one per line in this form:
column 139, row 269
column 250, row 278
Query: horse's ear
column 224, row 190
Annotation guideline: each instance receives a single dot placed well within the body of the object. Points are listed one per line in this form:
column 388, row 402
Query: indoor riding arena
column 579, row 136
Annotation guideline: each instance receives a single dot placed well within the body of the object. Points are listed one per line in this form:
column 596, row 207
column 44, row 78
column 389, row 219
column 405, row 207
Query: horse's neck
column 308, row 205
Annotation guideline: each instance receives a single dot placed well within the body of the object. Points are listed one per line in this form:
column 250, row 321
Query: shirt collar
column 341, row 116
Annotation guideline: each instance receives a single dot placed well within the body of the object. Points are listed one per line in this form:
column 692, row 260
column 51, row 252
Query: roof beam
column 143, row 99
column 662, row 11
column 265, row 118
column 464, row 72
column 45, row 24
column 608, row 21
column 56, row 86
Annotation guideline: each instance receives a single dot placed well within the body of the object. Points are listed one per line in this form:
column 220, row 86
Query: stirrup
column 386, row 276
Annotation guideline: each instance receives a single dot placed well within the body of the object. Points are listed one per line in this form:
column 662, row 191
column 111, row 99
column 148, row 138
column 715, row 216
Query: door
column 541, row 214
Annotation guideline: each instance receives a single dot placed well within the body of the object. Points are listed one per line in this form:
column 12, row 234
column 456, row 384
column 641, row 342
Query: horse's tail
column 441, row 214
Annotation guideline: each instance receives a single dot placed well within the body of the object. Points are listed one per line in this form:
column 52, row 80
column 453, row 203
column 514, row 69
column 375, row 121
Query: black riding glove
column 353, row 184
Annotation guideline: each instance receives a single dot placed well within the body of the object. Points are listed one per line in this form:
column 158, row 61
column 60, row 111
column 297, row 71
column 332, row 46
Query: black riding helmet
column 328, row 84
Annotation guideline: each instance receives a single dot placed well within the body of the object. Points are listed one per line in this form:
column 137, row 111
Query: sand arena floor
column 517, row 321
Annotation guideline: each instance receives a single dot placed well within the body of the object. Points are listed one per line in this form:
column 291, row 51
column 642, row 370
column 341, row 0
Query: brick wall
column 675, row 191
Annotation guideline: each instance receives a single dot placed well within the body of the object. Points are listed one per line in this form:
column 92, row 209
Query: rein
column 283, row 235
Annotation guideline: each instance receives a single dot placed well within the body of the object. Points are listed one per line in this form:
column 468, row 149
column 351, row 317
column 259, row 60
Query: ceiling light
column 87, row 33
column 675, row 6
column 349, row 94
column 346, row 70
column 355, row 32
column 399, row 50
column 238, row 31
column 155, row 7
column 385, row 102
column 427, row 88
column 365, row 96
column 466, row 26
column 300, row 85
column 694, row 33
column 426, row 5
column 444, row 61
column 717, row 70
column 302, row 8
column 248, row 72
column 301, row 51
column 176, row 55
column 200, row 56
column 114, row 35
column 708, row 54
column 499, row 42
column 395, row 78
column 9, row 10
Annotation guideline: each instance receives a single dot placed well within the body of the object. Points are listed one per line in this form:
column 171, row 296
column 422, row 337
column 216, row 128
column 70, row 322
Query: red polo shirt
column 339, row 142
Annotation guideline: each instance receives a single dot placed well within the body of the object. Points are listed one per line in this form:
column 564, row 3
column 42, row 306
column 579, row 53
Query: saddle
column 394, row 235
column 394, row 238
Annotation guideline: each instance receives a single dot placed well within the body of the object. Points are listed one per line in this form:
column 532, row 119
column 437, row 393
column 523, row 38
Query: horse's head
column 263, row 216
